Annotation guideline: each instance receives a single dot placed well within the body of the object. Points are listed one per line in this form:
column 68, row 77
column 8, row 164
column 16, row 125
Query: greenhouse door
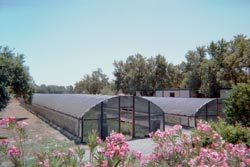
column 126, row 108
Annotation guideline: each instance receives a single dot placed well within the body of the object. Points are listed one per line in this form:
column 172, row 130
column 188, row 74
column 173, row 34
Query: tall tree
column 14, row 77
column 120, row 74
column 136, row 73
column 160, row 72
column 92, row 84
column 193, row 68
column 146, row 75
column 209, row 85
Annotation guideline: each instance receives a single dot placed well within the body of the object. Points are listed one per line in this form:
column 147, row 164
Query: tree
column 120, row 74
column 193, row 68
column 131, row 75
column 221, row 64
column 14, row 77
column 160, row 72
column 146, row 75
column 209, row 85
column 239, row 52
column 109, row 89
column 237, row 104
column 53, row 89
column 92, row 84
column 231, row 60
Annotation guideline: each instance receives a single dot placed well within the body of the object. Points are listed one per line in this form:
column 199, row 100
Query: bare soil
column 41, row 136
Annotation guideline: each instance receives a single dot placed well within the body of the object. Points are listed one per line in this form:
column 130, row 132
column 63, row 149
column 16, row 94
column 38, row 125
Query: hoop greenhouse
column 133, row 116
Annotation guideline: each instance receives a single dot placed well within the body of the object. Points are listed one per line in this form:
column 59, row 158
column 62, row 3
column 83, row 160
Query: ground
column 41, row 136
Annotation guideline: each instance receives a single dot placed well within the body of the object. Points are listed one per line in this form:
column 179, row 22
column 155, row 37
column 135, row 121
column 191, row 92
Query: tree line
column 206, row 70
column 14, row 77
column 53, row 89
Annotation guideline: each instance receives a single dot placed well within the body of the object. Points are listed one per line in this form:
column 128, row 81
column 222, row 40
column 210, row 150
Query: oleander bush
column 205, row 147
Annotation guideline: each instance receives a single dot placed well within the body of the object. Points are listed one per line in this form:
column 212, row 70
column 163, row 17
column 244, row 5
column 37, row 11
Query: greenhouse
column 133, row 116
column 79, row 114
column 186, row 111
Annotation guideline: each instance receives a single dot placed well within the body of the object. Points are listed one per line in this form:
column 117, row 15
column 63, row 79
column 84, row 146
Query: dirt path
column 41, row 137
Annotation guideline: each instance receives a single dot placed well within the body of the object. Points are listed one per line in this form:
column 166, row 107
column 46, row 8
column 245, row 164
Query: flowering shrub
column 114, row 151
column 205, row 147
column 72, row 157
column 173, row 148
column 14, row 152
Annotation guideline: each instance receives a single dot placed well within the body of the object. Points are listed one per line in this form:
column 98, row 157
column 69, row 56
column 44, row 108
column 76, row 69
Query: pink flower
column 72, row 151
column 43, row 163
column 58, row 154
column 203, row 127
column 12, row 119
column 4, row 121
column 216, row 136
column 151, row 134
column 101, row 149
column 98, row 140
column 177, row 127
column 247, row 161
column 22, row 124
column 137, row 154
column 88, row 164
column 5, row 141
column 14, row 151
column 197, row 138
column 104, row 164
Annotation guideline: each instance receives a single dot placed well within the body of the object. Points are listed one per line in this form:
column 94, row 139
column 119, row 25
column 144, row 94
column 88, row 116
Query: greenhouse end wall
column 186, row 111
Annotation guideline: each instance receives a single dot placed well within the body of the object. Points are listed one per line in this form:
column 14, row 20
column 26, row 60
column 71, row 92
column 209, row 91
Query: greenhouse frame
column 133, row 116
column 79, row 114
column 186, row 111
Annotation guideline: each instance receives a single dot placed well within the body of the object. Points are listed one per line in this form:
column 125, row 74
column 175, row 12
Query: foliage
column 145, row 75
column 72, row 157
column 14, row 152
column 92, row 84
column 92, row 142
column 218, row 65
column 14, row 77
column 193, row 68
column 237, row 105
column 114, row 151
column 206, row 70
column 232, row 133
column 4, row 95
column 109, row 89
column 53, row 89
column 173, row 148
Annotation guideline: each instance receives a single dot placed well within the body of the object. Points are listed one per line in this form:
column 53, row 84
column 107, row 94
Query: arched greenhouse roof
column 180, row 106
column 75, row 105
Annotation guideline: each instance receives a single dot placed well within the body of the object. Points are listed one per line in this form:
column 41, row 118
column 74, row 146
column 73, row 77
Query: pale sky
column 63, row 40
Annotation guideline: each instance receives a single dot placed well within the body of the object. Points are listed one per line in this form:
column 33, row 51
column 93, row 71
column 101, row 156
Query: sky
column 64, row 40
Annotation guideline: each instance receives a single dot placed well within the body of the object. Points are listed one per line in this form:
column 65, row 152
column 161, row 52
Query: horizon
column 61, row 39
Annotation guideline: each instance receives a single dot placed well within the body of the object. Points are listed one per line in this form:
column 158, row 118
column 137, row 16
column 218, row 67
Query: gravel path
column 145, row 146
